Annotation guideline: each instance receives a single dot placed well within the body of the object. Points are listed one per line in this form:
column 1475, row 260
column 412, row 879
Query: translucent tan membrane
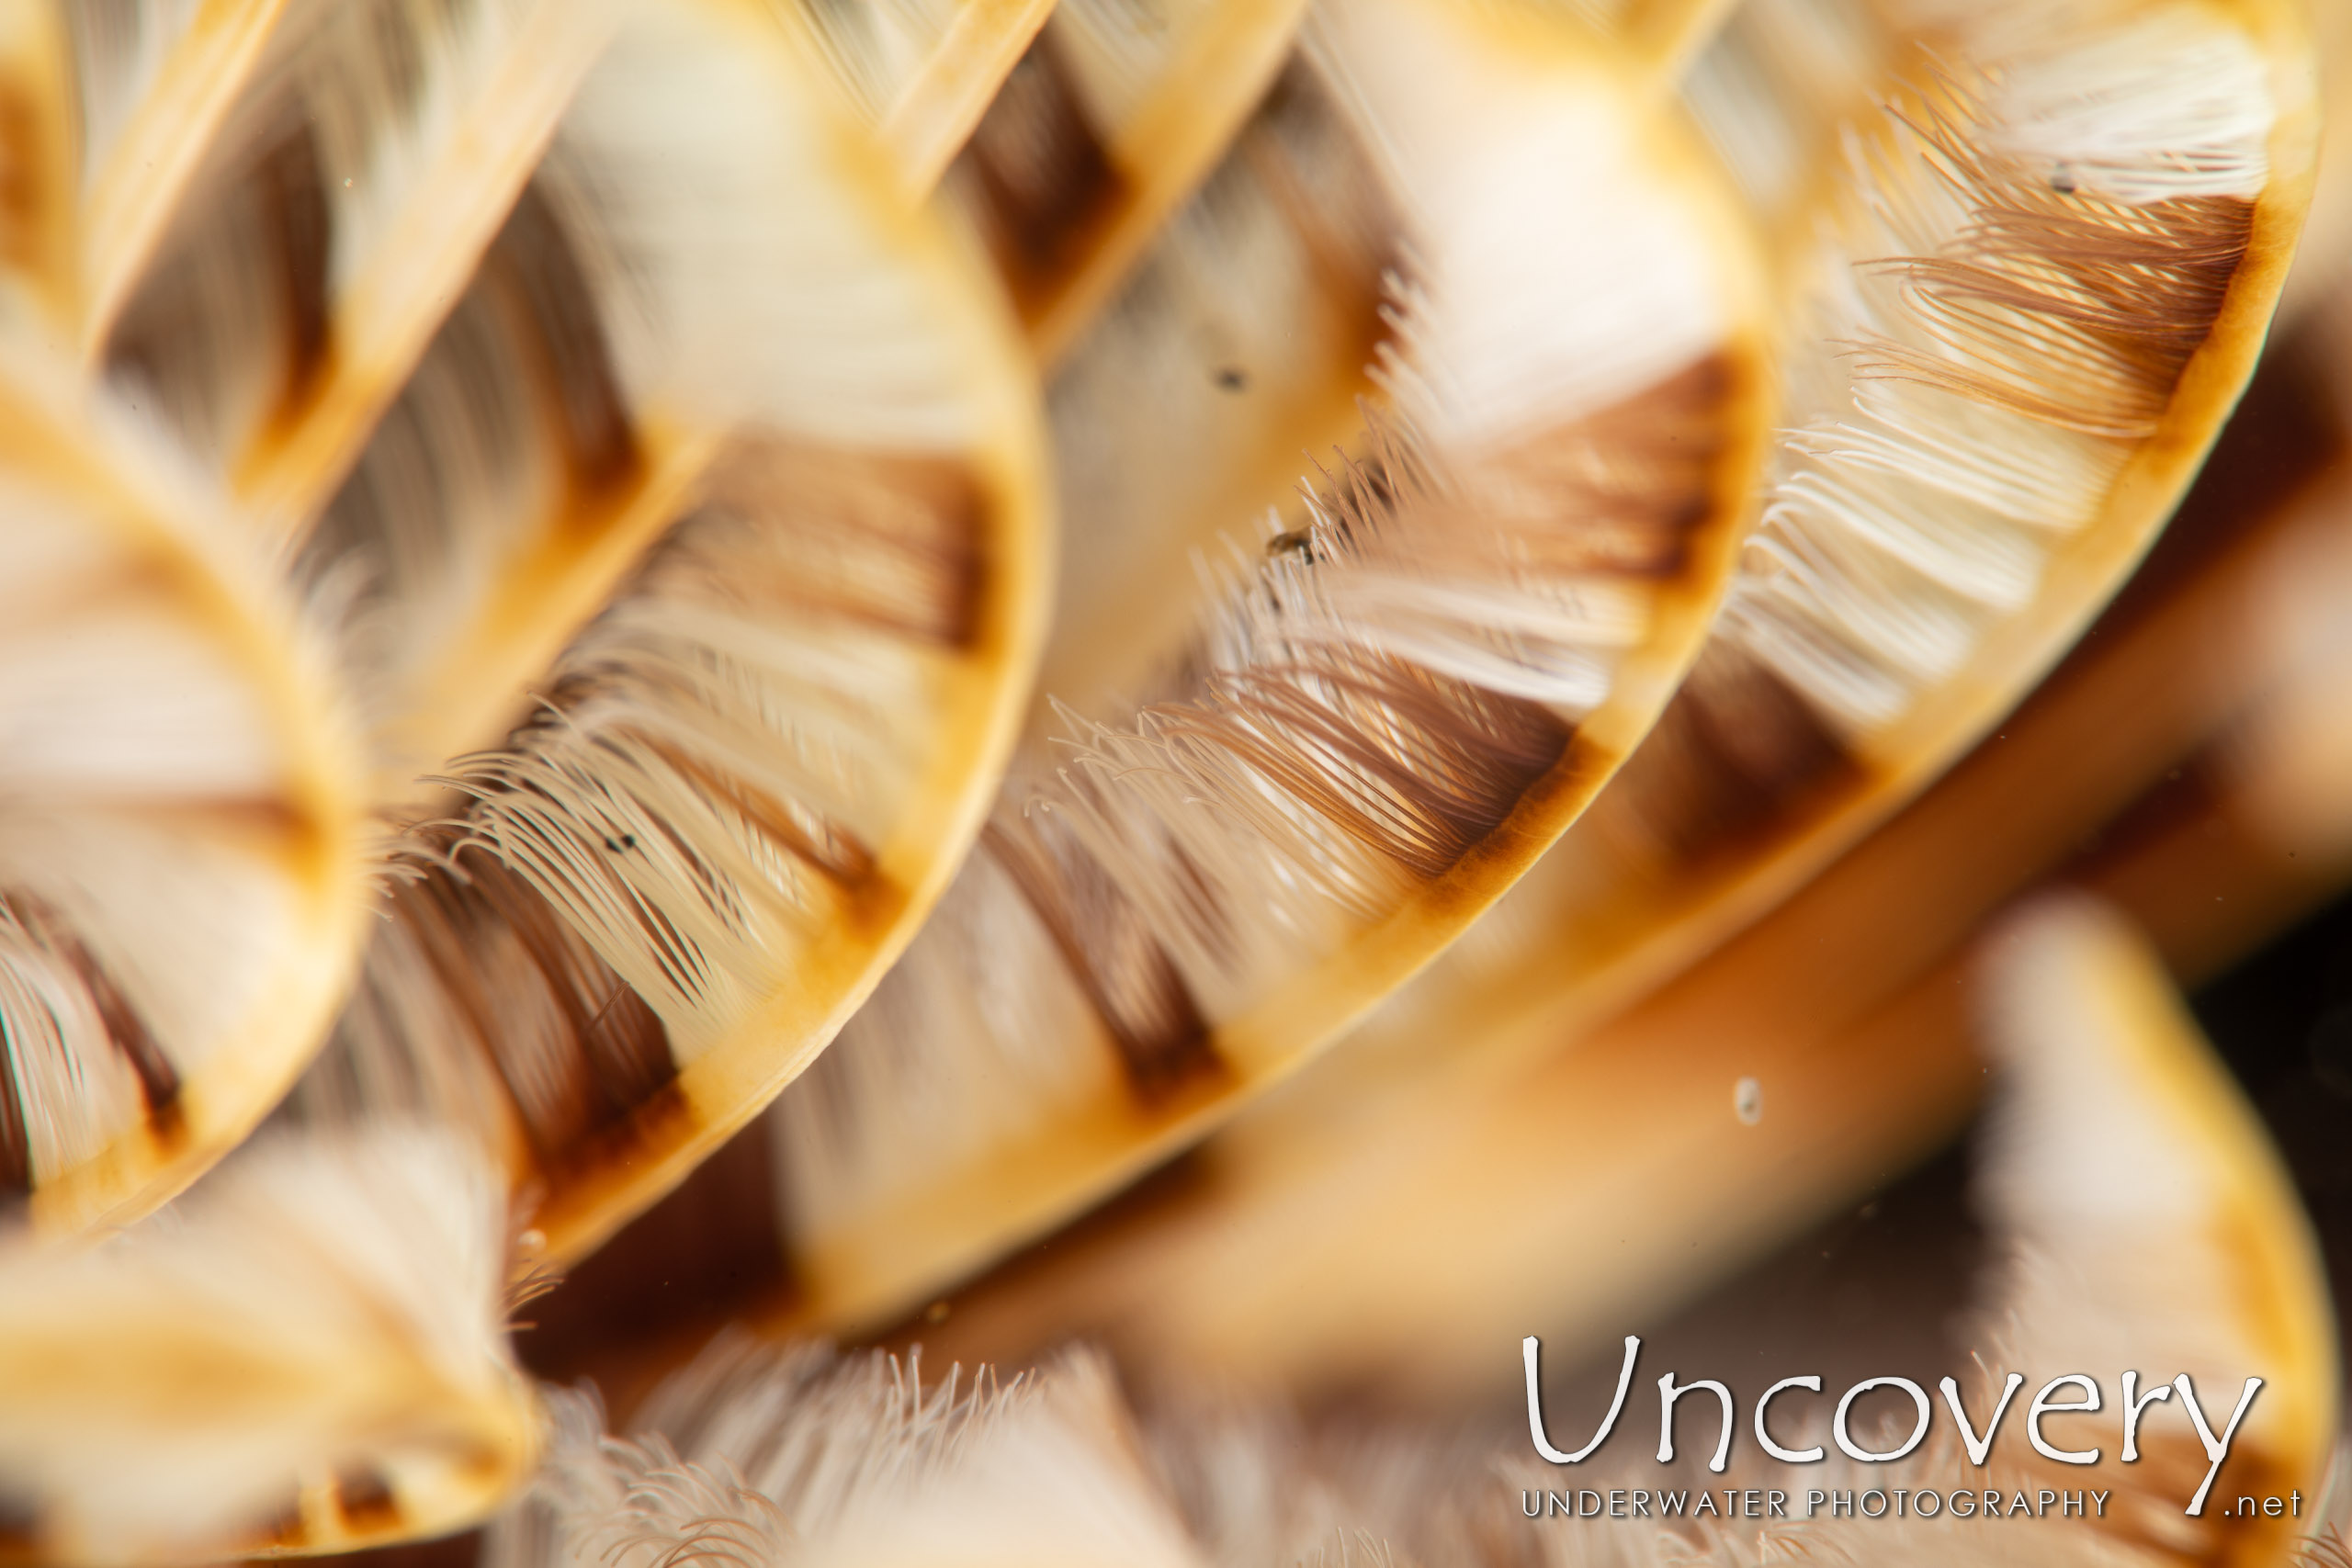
column 2139, row 1219
column 1100, row 133
column 1234, row 828
column 307, row 1353
column 181, row 856
column 1393, row 1214
column 713, row 511
column 2321, row 286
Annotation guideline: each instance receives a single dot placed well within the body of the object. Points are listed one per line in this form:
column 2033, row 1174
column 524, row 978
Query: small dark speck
column 1233, row 379
column 2061, row 180
column 1298, row 541
column 626, row 841
column 935, row 1312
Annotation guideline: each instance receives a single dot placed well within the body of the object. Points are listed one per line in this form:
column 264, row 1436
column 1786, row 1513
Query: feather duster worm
column 750, row 772
column 605, row 387
column 2042, row 283
column 181, row 842
column 1321, row 1237
column 1932, row 538
column 2145, row 1222
column 1930, row 541
column 1255, row 827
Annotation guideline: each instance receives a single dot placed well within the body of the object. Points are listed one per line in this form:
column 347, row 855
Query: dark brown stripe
column 2122, row 296
column 2192, row 794
column 363, row 1501
column 16, row 1148
column 2289, row 430
column 816, row 842
column 297, row 219
column 534, row 258
column 498, row 948
column 1733, row 760
column 1047, row 182
column 1162, row 1035
column 1624, row 491
column 620, row 1047
column 888, row 540
column 267, row 222
column 1415, row 765
column 20, row 1531
column 400, row 502
column 285, row 1529
column 711, row 1248
column 159, row 1081
column 2148, row 279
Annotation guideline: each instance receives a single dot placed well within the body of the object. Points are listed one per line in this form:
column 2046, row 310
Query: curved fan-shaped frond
column 425, row 307
column 671, row 474
column 1231, row 836
column 2025, row 326
column 725, row 447
column 307, row 1353
column 2150, row 1221
column 181, row 852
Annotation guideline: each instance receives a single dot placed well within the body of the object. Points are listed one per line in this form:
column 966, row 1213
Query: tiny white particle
column 1748, row 1101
